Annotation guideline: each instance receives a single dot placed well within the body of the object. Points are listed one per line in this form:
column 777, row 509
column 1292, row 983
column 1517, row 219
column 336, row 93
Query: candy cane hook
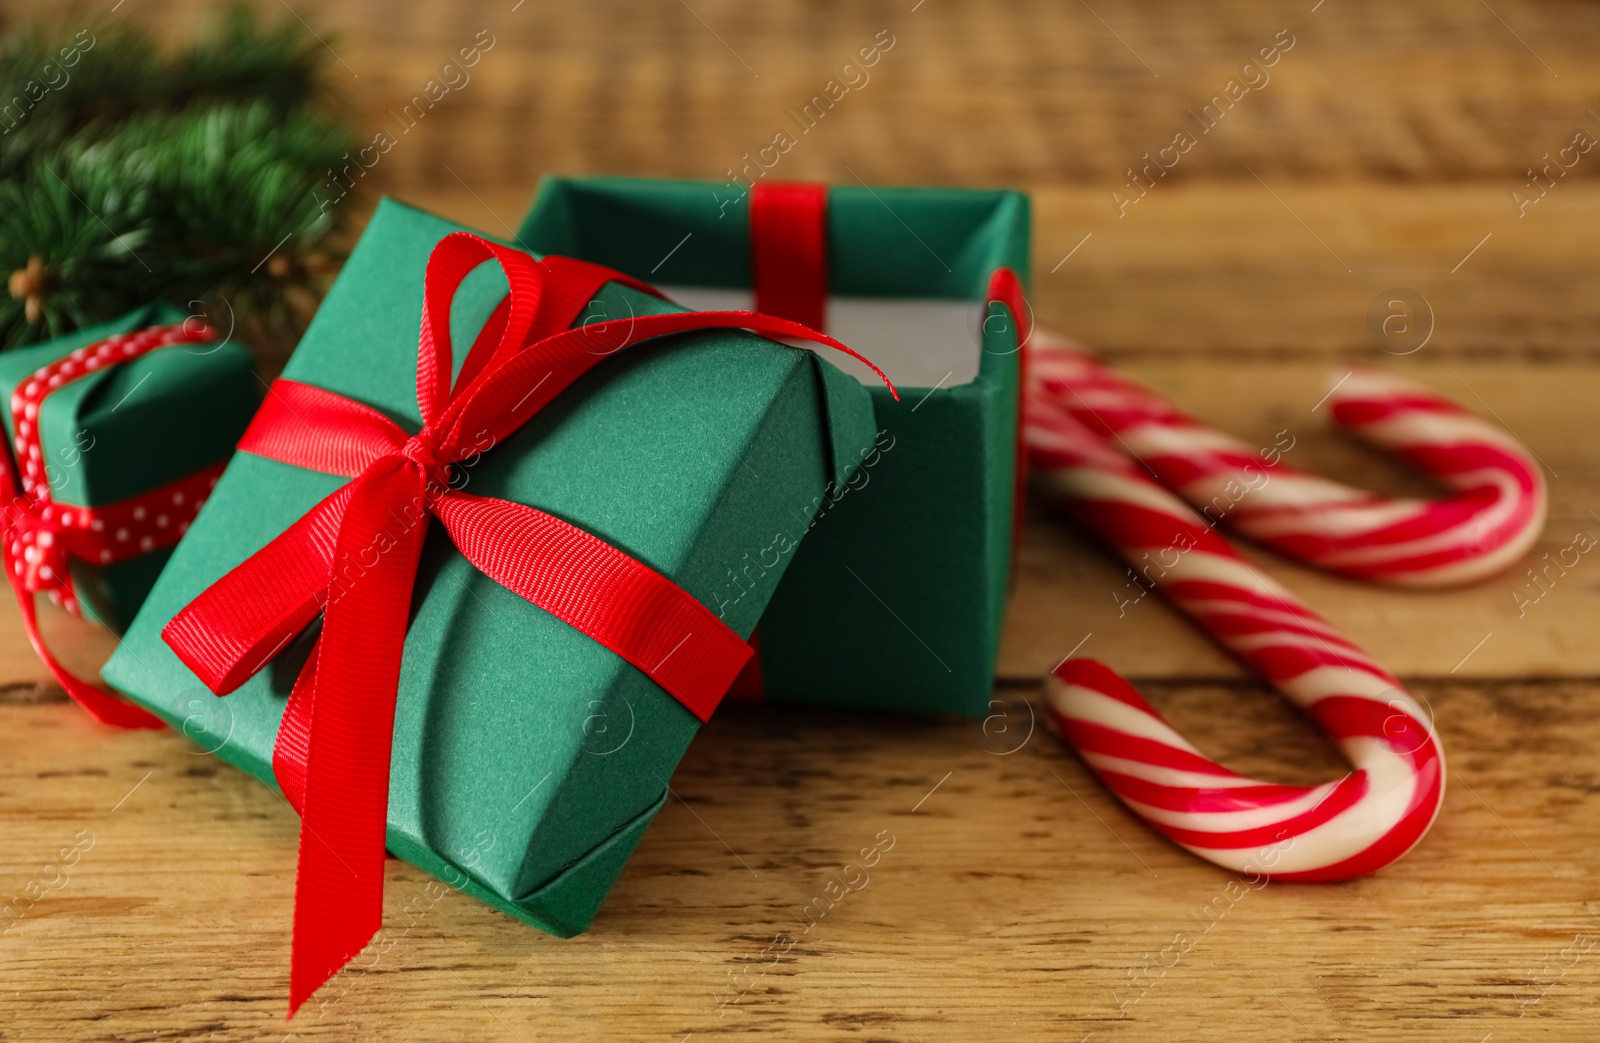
column 1495, row 516
column 1334, row 831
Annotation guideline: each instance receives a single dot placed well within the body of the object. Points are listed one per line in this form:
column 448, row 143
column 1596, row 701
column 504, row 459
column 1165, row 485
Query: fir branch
column 190, row 179
column 246, row 62
column 58, row 231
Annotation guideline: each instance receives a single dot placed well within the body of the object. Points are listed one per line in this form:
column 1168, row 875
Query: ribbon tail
column 293, row 746
column 100, row 705
column 349, row 707
column 245, row 618
column 615, row 599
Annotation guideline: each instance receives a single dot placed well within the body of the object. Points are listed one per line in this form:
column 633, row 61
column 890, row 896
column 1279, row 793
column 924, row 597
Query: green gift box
column 129, row 429
column 895, row 598
column 527, row 759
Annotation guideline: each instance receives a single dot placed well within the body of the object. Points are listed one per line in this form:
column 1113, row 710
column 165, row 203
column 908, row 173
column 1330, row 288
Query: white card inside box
column 920, row 342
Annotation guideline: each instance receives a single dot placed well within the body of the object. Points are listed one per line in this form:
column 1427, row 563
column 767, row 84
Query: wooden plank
column 80, row 646
column 1041, row 91
column 1017, row 900
column 1541, row 625
column 1280, row 268
column 1229, row 271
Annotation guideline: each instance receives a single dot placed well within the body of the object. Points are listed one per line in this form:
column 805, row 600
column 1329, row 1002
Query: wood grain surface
column 1011, row 898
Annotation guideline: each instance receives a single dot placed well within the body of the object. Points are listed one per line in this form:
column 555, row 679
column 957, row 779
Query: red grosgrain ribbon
column 789, row 250
column 1005, row 288
column 39, row 534
column 353, row 558
column 789, row 267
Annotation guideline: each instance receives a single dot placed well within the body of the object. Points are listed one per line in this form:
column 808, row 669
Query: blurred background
column 1377, row 148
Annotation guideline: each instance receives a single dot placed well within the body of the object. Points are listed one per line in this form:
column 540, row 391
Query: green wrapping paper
column 130, row 429
column 896, row 597
column 527, row 759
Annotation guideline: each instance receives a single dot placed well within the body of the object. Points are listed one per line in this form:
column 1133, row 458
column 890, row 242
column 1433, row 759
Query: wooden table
column 1018, row 900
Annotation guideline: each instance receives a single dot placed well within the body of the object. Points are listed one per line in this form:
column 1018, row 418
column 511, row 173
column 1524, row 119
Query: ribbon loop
column 243, row 620
column 448, row 267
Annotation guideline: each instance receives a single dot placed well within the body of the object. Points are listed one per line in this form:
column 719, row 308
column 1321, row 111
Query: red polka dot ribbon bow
column 353, row 559
column 41, row 534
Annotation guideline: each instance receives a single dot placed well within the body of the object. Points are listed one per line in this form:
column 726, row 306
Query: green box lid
column 896, row 597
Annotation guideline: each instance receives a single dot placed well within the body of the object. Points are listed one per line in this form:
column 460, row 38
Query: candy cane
column 1351, row 827
column 1493, row 519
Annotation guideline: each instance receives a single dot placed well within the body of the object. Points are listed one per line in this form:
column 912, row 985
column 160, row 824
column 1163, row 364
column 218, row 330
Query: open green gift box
column 527, row 759
column 894, row 598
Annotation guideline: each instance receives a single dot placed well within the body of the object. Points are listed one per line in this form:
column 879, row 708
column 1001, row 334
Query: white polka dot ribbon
column 40, row 533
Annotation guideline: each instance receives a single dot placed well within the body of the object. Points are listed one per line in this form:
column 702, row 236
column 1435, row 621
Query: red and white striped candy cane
column 1350, row 827
column 1494, row 517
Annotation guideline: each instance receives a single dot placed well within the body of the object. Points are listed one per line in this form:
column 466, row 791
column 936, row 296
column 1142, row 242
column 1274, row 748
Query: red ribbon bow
column 38, row 535
column 353, row 558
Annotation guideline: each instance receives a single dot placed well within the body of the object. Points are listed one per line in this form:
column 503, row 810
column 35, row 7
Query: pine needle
column 129, row 176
